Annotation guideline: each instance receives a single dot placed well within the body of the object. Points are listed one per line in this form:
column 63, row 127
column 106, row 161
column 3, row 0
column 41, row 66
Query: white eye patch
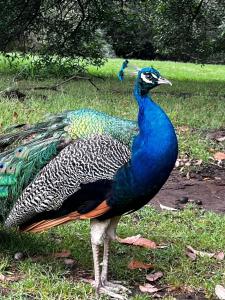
column 145, row 79
column 153, row 75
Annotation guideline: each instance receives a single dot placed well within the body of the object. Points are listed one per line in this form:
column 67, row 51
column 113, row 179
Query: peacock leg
column 98, row 233
column 111, row 235
column 100, row 288
column 105, row 263
column 98, row 283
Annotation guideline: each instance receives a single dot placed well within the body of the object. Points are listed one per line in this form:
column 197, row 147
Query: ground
column 206, row 185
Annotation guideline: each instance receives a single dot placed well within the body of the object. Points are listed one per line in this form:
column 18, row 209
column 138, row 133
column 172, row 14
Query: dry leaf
column 135, row 264
column 221, row 139
column 219, row 156
column 191, row 255
column 167, row 207
column 148, row 288
column 8, row 278
column 200, row 253
column 137, row 240
column 69, row 262
column 63, row 254
column 154, row 276
column 220, row 292
column 198, row 162
column 219, row 255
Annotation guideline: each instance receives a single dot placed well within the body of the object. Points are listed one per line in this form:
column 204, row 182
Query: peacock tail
column 25, row 150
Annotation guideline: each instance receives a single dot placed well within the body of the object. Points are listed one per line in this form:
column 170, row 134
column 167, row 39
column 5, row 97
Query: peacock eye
column 148, row 75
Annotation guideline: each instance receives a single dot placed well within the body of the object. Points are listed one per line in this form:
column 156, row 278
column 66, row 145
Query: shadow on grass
column 14, row 241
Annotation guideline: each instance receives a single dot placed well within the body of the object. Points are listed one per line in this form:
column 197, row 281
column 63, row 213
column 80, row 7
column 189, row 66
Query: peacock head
column 148, row 78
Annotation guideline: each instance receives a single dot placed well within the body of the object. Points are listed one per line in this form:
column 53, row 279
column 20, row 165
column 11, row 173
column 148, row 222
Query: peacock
column 100, row 176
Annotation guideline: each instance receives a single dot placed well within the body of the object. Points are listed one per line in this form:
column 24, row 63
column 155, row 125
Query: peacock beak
column 164, row 81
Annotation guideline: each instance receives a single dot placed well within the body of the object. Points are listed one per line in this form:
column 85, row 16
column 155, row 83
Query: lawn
column 196, row 102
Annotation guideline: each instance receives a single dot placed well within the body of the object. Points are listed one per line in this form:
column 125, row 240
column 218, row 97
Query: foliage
column 54, row 29
column 42, row 66
column 174, row 29
column 188, row 30
column 127, row 30
column 16, row 18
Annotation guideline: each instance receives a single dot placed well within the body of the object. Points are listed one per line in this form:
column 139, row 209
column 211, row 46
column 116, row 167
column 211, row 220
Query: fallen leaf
column 219, row 156
column 8, row 278
column 220, row 139
column 137, row 240
column 220, row 292
column 198, row 162
column 154, row 276
column 62, row 254
column 69, row 262
column 191, row 255
column 200, row 253
column 219, row 256
column 135, row 264
column 167, row 207
column 148, row 288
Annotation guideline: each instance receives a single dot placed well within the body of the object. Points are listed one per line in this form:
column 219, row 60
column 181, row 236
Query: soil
column 205, row 187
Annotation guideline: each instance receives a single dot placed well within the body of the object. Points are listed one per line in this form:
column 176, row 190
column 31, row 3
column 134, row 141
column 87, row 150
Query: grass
column 196, row 100
column 48, row 277
column 197, row 104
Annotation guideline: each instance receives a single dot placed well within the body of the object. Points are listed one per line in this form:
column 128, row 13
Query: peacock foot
column 111, row 289
column 110, row 292
column 116, row 286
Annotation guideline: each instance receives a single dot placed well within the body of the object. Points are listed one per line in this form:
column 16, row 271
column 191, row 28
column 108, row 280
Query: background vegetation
column 88, row 31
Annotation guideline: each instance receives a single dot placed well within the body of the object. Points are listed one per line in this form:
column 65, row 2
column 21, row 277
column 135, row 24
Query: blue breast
column 154, row 153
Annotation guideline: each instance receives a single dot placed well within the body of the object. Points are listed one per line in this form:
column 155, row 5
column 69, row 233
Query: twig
column 55, row 87
column 51, row 87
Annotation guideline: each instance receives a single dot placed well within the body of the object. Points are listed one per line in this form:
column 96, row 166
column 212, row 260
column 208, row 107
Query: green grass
column 197, row 104
column 48, row 278
column 196, row 99
column 172, row 70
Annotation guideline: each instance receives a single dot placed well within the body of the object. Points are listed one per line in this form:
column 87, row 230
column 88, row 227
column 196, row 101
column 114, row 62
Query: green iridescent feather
column 25, row 150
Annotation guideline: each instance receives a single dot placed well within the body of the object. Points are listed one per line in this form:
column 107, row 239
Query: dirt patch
column 206, row 186
column 190, row 296
column 217, row 135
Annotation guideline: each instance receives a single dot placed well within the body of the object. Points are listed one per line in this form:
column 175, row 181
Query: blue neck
column 154, row 150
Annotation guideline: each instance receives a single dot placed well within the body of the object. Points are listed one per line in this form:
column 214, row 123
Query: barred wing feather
column 86, row 161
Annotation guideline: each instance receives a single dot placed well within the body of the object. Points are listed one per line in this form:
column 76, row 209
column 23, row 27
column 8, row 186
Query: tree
column 126, row 29
column 187, row 30
column 55, row 29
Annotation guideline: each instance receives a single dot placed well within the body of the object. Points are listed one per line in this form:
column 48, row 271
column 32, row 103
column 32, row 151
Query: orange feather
column 47, row 224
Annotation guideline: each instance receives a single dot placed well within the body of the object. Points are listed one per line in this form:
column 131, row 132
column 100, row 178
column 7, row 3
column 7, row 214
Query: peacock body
column 102, row 176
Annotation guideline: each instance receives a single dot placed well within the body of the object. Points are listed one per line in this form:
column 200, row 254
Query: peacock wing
column 73, row 184
column 25, row 150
